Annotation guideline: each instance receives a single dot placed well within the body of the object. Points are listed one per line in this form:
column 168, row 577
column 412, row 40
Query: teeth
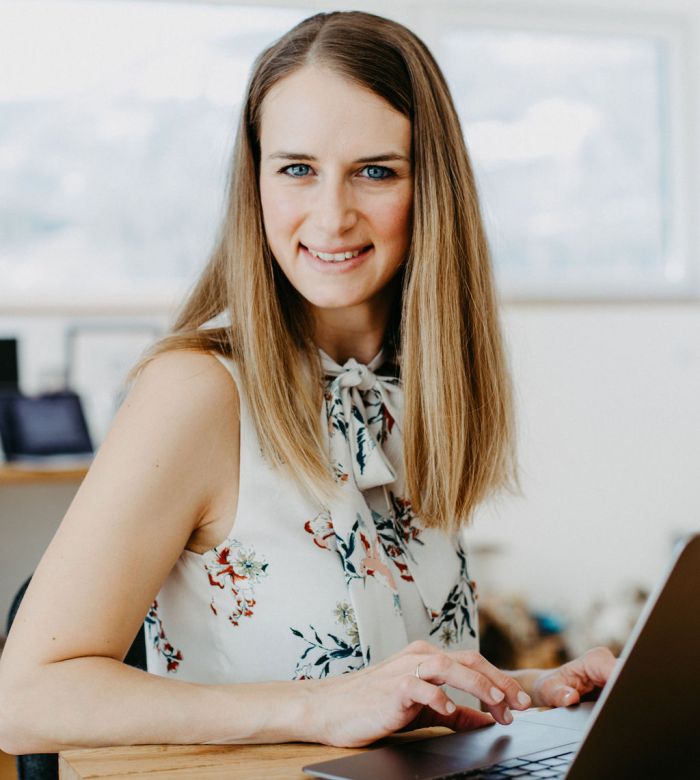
column 334, row 258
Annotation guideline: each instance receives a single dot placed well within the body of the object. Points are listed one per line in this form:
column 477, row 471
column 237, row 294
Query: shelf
column 38, row 473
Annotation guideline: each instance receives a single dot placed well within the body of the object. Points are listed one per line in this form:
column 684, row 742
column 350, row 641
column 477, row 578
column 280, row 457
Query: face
column 335, row 182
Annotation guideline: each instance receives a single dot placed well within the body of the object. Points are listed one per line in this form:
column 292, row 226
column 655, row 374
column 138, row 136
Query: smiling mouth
column 337, row 257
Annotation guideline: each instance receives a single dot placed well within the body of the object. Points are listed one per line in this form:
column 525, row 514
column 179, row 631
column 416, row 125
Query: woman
column 291, row 535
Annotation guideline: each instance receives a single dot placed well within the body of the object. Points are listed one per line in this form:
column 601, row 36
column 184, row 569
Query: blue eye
column 384, row 173
column 374, row 172
column 289, row 168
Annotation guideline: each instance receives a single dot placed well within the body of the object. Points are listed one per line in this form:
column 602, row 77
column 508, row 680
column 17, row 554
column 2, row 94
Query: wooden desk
column 25, row 474
column 210, row 762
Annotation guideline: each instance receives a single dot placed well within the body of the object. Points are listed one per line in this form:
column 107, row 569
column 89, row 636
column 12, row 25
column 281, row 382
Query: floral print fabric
column 378, row 538
column 300, row 591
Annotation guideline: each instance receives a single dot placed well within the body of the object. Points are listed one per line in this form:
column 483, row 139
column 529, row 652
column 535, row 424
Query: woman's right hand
column 360, row 707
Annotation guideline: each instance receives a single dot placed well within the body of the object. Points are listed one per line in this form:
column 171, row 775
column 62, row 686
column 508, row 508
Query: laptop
column 645, row 723
column 43, row 429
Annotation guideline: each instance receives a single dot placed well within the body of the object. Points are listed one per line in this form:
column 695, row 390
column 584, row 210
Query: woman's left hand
column 565, row 685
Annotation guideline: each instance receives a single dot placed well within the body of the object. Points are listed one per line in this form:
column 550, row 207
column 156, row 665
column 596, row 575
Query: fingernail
column 524, row 699
column 497, row 695
column 451, row 707
column 507, row 715
column 568, row 694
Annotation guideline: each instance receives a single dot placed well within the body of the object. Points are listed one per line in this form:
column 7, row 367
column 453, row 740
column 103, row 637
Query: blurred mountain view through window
column 117, row 121
column 567, row 133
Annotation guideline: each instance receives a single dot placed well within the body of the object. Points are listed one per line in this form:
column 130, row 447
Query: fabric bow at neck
column 360, row 405
column 386, row 552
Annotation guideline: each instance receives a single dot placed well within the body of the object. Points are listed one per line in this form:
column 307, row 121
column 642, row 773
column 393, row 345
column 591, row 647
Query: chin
column 334, row 302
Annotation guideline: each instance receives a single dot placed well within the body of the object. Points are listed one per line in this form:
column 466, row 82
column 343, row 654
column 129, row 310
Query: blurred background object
column 98, row 356
column 33, row 428
column 9, row 373
column 513, row 637
column 609, row 621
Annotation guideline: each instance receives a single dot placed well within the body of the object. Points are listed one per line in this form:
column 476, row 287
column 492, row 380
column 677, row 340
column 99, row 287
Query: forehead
column 317, row 111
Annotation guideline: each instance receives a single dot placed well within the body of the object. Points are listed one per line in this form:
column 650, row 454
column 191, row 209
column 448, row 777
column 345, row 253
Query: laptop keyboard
column 547, row 763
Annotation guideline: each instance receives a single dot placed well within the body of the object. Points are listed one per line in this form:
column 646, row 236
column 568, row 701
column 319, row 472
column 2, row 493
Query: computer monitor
column 9, row 373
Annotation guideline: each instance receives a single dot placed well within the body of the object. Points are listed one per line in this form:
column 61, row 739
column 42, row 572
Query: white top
column 301, row 591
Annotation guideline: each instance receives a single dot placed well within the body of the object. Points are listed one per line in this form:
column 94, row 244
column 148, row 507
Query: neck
column 344, row 346
column 356, row 331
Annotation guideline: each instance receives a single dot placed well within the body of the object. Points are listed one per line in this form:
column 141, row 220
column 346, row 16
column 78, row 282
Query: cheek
column 280, row 213
column 392, row 220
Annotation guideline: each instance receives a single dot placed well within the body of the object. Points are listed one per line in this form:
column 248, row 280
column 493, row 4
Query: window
column 575, row 137
column 118, row 119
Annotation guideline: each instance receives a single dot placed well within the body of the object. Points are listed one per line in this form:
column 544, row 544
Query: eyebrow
column 384, row 157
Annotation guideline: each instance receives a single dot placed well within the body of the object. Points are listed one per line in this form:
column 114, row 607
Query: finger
column 565, row 686
column 593, row 668
column 443, row 669
column 443, row 710
column 464, row 719
column 599, row 664
column 562, row 688
column 413, row 690
column 500, row 712
column 514, row 695
column 563, row 696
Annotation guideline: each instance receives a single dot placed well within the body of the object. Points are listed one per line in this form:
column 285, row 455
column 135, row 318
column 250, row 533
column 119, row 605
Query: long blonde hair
column 443, row 331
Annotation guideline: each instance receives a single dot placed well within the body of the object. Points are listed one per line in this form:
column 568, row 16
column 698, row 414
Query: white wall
column 609, row 414
column 29, row 517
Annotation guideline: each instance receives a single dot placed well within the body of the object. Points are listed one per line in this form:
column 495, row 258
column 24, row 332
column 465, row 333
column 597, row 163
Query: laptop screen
column 46, row 425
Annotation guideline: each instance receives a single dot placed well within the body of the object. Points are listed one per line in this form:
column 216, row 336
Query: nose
column 334, row 209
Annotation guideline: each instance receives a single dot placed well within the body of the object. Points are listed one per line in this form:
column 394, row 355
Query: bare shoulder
column 172, row 446
column 179, row 416
column 182, row 417
column 186, row 377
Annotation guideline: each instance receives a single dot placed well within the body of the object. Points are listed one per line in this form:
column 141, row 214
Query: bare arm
column 62, row 680
column 93, row 702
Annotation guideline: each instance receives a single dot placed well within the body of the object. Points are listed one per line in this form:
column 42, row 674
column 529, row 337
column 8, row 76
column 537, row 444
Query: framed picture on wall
column 98, row 359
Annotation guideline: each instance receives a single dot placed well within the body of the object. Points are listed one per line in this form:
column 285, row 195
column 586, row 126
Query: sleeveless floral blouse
column 299, row 591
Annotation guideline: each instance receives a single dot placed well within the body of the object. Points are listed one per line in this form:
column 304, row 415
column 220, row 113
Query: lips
column 337, row 266
column 340, row 250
